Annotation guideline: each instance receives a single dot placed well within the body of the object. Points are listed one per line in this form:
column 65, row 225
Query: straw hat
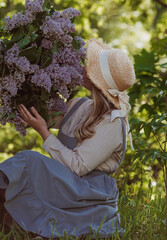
column 111, row 71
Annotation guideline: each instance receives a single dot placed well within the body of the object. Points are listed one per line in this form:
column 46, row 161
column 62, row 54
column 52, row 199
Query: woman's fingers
column 34, row 111
column 23, row 121
column 24, row 112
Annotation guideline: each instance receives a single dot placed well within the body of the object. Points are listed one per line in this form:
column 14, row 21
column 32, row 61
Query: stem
column 162, row 3
column 158, row 142
column 165, row 142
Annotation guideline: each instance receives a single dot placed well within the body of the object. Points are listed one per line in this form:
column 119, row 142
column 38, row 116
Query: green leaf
column 43, row 95
column 17, row 37
column 147, row 156
column 38, row 55
column 2, row 115
column 56, row 114
column 164, row 65
column 145, row 62
column 32, row 28
column 47, row 62
column 54, row 49
column 154, row 156
column 52, row 123
column 29, row 53
column 34, row 37
column 24, row 42
column 76, row 44
column 147, row 130
column 12, row 115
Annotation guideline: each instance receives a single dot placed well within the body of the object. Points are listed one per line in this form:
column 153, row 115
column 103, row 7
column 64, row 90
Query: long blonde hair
column 101, row 107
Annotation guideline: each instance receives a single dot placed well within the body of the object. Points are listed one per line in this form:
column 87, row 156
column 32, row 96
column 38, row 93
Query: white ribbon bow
column 124, row 111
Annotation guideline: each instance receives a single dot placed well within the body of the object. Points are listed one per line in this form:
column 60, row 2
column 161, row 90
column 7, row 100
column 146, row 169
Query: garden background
column 140, row 28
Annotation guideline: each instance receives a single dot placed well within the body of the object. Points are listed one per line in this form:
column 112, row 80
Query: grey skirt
column 45, row 197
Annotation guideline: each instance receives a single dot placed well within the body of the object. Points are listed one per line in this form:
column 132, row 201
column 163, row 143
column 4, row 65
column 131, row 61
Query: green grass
column 142, row 217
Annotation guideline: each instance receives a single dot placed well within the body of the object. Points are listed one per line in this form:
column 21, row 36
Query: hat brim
column 93, row 71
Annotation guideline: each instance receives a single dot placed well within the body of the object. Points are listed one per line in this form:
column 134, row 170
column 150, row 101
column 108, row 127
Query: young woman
column 73, row 190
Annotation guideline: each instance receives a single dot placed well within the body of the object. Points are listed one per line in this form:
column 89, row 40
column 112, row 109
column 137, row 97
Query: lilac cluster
column 58, row 26
column 19, row 19
column 46, row 43
column 57, row 104
column 34, row 6
column 52, row 83
column 41, row 79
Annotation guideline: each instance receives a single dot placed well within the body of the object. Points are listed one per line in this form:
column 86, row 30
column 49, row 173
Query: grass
column 142, row 218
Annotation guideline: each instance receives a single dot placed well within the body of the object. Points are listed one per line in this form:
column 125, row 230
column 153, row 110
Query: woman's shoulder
column 73, row 101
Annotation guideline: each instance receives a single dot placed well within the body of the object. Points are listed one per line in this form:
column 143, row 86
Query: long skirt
column 45, row 197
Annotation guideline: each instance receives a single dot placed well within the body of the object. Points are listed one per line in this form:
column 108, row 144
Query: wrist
column 44, row 133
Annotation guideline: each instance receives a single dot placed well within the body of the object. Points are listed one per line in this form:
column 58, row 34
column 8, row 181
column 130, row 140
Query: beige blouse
column 101, row 152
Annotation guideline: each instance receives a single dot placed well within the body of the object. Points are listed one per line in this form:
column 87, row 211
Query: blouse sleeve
column 91, row 152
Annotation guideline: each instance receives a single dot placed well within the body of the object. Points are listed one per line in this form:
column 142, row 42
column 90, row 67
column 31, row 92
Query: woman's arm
column 91, row 152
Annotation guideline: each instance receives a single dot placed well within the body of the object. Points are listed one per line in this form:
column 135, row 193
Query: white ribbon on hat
column 122, row 95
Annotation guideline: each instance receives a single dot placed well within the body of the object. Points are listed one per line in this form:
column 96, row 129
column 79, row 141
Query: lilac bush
column 41, row 61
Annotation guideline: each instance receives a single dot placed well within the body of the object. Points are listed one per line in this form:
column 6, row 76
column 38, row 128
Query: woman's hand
column 36, row 121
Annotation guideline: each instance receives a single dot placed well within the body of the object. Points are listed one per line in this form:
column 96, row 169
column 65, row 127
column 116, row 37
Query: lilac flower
column 46, row 43
column 51, row 28
column 57, row 104
column 56, row 15
column 18, row 124
column 16, row 21
column 70, row 13
column 33, row 68
column 9, row 85
column 41, row 79
column 19, row 78
column 66, row 40
column 34, row 6
column 67, row 55
column 22, row 64
column 6, row 101
column 67, row 25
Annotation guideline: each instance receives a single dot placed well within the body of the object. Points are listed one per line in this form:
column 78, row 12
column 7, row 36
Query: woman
column 73, row 190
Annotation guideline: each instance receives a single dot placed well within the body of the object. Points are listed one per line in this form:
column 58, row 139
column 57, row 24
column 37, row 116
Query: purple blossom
column 33, row 68
column 6, row 101
column 18, row 124
column 22, row 64
column 67, row 25
column 11, row 56
column 56, row 15
column 66, row 40
column 57, row 104
column 34, row 6
column 67, row 56
column 9, row 85
column 19, row 78
column 70, row 13
column 16, row 21
column 41, row 79
column 46, row 43
column 51, row 29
